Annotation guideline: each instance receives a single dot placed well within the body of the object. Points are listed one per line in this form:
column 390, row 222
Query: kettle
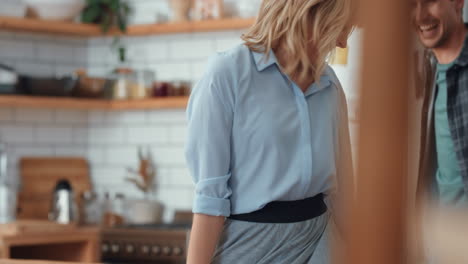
column 63, row 209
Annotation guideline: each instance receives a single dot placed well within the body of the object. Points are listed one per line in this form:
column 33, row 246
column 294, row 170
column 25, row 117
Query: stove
column 144, row 244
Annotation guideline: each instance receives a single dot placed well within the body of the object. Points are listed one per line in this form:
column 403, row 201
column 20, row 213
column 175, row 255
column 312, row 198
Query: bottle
column 91, row 208
column 122, row 83
column 111, row 217
column 63, row 209
column 8, row 189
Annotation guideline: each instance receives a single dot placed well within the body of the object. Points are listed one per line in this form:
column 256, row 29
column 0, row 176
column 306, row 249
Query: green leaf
column 90, row 14
column 122, row 23
column 122, row 54
column 114, row 6
column 106, row 23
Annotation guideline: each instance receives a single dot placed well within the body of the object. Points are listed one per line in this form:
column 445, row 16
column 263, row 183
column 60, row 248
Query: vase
column 181, row 9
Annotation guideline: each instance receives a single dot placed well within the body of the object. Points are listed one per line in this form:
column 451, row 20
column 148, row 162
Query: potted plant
column 144, row 211
column 109, row 14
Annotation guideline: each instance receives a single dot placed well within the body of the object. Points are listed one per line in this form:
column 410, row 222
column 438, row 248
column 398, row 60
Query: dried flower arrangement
column 144, row 177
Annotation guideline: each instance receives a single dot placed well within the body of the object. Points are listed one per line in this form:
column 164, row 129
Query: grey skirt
column 258, row 243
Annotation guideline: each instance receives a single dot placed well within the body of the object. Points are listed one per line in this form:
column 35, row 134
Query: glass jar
column 7, row 203
column 123, row 78
column 208, row 9
column 141, row 84
column 113, row 209
column 92, row 208
column 248, row 8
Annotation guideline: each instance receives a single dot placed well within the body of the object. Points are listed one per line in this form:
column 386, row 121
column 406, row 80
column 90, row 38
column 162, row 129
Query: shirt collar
column 262, row 64
column 260, row 61
column 462, row 59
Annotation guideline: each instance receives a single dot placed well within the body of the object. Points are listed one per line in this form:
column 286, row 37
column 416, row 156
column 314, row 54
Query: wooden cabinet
column 77, row 245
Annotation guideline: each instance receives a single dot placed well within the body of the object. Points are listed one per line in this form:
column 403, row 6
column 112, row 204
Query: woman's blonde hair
column 292, row 25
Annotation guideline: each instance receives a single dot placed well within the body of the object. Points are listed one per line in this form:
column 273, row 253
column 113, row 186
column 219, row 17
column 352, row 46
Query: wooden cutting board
column 38, row 179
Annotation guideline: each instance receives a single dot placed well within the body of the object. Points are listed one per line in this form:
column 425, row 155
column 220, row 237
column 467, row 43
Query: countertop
column 10, row 261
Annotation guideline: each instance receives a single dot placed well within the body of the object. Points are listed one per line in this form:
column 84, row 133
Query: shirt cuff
column 211, row 206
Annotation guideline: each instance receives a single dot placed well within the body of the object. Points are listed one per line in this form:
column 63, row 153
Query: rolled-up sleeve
column 208, row 149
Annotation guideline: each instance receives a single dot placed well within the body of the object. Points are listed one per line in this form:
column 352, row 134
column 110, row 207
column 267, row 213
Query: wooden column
column 378, row 232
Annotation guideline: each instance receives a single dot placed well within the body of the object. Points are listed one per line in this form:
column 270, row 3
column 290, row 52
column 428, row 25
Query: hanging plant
column 107, row 13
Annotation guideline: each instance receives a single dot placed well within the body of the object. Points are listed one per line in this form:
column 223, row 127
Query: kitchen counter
column 80, row 245
column 9, row 261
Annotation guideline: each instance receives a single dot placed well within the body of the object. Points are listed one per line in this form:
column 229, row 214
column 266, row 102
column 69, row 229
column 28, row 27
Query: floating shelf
column 179, row 102
column 89, row 30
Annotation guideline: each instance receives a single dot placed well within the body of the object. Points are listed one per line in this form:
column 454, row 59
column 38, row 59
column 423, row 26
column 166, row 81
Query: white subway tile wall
column 110, row 139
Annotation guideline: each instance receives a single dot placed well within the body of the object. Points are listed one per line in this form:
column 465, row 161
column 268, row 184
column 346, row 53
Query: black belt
column 286, row 211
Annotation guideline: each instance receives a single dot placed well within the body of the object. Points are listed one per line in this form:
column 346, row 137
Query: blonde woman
column 268, row 139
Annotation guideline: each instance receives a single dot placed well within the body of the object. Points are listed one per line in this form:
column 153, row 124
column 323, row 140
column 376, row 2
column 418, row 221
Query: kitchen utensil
column 63, row 209
column 140, row 85
column 113, row 210
column 56, row 9
column 39, row 175
column 208, row 9
column 92, row 208
column 123, row 79
column 7, row 190
column 143, row 212
column 180, row 10
column 7, row 203
column 13, row 8
column 3, row 165
column 47, row 86
column 8, row 80
column 92, row 87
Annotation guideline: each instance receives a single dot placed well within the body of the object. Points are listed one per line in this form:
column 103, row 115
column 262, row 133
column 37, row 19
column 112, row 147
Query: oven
column 144, row 244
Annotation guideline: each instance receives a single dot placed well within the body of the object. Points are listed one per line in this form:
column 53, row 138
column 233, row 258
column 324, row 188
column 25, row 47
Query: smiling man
column 439, row 25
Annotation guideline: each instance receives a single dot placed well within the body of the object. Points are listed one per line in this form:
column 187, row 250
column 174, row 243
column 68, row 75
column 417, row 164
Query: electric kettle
column 63, row 209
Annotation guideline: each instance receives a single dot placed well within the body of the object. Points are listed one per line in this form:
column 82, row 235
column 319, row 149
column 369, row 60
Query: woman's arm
column 204, row 236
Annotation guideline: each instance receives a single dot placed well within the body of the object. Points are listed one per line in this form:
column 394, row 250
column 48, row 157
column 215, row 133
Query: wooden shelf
column 92, row 104
column 89, row 30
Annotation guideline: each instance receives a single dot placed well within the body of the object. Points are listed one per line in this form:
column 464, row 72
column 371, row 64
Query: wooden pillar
column 378, row 232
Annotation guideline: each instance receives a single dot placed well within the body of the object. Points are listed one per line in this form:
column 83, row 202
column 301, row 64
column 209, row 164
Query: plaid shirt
column 457, row 111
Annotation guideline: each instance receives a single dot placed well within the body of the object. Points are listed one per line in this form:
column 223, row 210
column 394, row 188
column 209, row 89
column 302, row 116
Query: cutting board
column 39, row 175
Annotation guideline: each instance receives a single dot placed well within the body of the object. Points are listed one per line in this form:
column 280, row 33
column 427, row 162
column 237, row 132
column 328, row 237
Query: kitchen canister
column 7, row 203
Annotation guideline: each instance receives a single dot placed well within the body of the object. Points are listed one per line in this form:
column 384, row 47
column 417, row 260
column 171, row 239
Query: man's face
column 435, row 20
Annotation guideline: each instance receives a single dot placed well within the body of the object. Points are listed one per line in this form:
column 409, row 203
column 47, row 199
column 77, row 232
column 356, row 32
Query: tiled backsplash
column 110, row 139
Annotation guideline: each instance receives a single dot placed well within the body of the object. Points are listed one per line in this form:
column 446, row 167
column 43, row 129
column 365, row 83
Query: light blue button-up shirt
column 255, row 137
